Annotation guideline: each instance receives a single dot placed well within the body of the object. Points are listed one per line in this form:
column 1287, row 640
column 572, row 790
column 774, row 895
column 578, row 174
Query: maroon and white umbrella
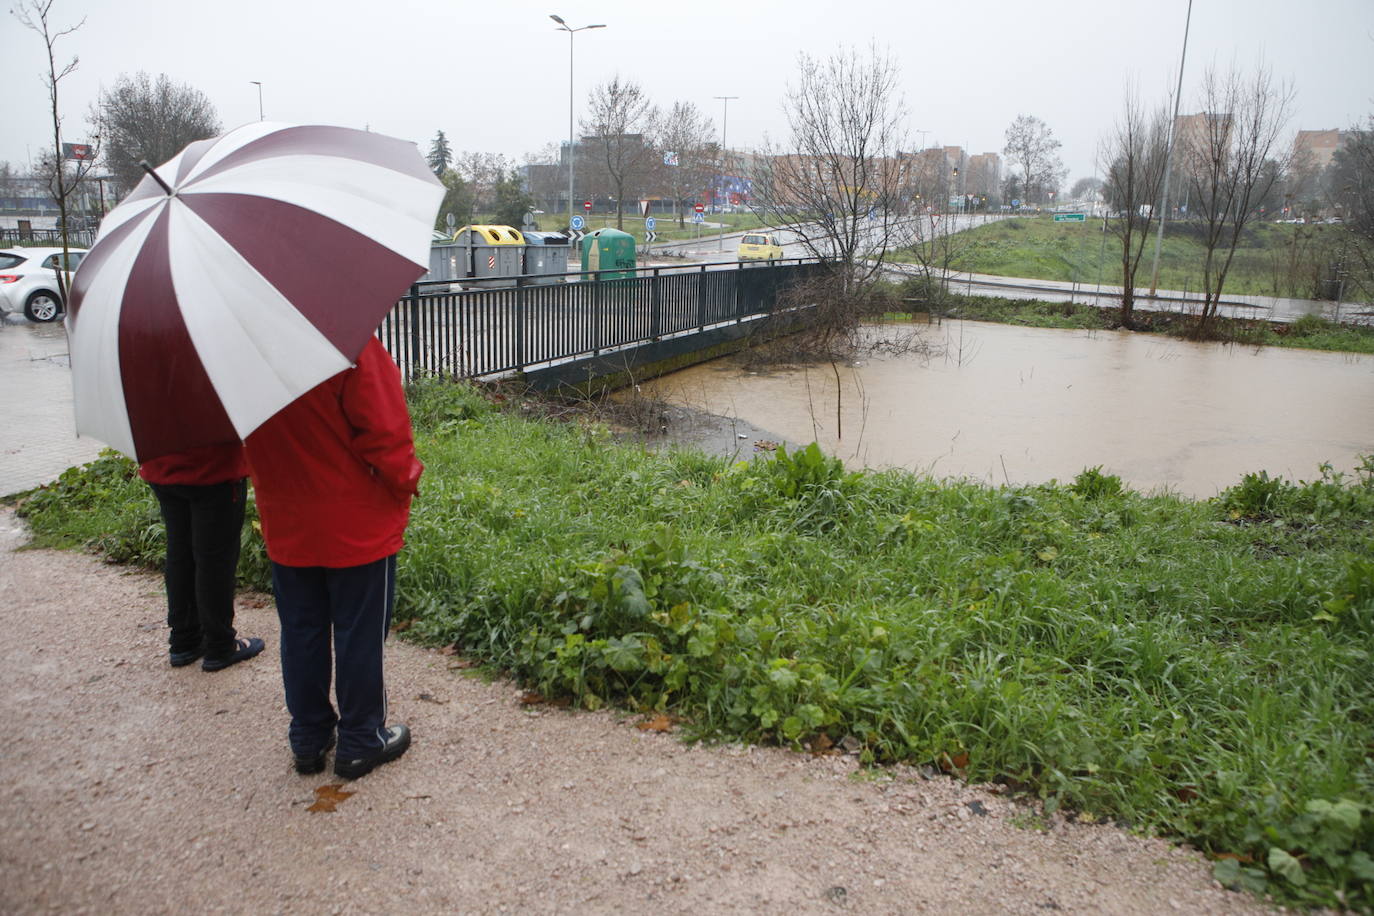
column 239, row 275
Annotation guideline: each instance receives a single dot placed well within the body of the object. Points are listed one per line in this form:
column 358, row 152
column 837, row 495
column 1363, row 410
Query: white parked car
column 28, row 281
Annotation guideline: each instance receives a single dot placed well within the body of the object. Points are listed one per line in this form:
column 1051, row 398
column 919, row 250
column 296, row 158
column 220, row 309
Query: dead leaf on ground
column 954, row 763
column 659, row 723
column 821, row 745
column 328, row 797
column 530, row 698
column 449, row 650
column 765, row 445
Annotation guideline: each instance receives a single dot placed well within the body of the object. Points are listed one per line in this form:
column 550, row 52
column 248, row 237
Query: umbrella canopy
column 239, row 275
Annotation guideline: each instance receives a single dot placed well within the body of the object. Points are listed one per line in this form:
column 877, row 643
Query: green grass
column 1278, row 260
column 1197, row 669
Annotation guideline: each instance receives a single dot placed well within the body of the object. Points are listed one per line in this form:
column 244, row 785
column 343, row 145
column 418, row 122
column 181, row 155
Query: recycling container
column 546, row 257
column 610, row 250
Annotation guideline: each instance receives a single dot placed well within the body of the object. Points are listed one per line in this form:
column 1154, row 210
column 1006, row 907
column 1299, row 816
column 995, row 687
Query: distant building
column 1314, row 149
column 1195, row 133
column 984, row 175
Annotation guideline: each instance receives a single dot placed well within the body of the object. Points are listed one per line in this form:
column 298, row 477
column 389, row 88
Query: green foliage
column 1197, row 669
column 1091, row 483
column 106, row 508
column 512, row 201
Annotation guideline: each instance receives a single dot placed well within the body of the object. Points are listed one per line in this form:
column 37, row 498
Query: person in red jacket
column 334, row 474
column 201, row 493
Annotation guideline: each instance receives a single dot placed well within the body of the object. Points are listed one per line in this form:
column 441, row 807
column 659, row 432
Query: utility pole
column 258, row 83
column 1169, row 154
column 724, row 123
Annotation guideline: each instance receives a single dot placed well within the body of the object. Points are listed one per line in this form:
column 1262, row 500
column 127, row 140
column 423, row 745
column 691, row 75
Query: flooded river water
column 1007, row 404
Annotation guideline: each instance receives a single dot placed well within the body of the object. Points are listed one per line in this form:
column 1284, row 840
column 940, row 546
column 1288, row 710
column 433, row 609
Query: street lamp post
column 724, row 125
column 564, row 27
column 1169, row 154
column 258, row 83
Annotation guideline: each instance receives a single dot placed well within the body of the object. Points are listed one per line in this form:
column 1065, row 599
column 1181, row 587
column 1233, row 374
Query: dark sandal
column 244, row 649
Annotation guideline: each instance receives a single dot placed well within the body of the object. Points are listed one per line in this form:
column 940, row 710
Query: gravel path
column 129, row 787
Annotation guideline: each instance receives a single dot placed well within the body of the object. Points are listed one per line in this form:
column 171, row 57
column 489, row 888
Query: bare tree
column 619, row 119
column 685, row 141
column 841, row 183
column 1133, row 158
column 1031, row 147
column 1086, row 188
column 1227, row 156
column 1350, row 186
column 482, row 172
column 33, row 14
column 147, row 119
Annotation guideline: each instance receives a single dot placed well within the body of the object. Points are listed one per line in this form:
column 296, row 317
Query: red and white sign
column 587, row 205
column 700, row 208
column 491, row 262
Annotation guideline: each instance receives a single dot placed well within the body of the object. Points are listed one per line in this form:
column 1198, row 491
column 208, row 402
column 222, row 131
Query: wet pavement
column 38, row 438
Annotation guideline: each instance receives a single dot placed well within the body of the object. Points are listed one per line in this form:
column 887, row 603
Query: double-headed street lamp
column 564, row 27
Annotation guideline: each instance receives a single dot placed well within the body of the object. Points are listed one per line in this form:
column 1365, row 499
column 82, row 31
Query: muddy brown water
column 1023, row 405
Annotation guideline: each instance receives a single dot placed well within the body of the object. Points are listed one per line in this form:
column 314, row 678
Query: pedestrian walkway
column 38, row 438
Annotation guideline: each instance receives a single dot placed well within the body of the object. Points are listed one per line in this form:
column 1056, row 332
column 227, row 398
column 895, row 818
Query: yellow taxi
column 760, row 246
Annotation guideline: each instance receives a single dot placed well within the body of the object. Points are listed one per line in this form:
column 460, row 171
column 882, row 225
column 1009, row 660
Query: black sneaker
column 244, row 649
column 396, row 742
column 309, row 764
column 182, row 659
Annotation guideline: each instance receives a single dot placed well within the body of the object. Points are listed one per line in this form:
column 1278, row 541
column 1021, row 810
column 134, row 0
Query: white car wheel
column 42, row 306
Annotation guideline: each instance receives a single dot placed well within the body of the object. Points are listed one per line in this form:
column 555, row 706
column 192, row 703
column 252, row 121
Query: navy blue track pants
column 349, row 611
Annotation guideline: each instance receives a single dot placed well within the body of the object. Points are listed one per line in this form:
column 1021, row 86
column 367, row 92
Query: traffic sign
column 650, row 235
column 698, row 218
column 700, row 208
column 587, row 205
column 578, row 222
column 1070, row 217
column 575, row 236
column 650, row 223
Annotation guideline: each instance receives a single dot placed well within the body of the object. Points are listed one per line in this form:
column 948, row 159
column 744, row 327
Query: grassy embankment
column 1198, row 669
column 1272, row 259
column 1309, row 332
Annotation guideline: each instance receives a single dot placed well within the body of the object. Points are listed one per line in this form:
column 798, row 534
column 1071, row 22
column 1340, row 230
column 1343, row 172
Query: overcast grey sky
column 494, row 75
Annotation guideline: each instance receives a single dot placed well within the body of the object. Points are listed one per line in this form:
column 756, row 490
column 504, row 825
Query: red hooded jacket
column 335, row 471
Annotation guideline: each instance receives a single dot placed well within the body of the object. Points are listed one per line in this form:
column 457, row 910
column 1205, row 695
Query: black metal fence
column 482, row 332
column 77, row 238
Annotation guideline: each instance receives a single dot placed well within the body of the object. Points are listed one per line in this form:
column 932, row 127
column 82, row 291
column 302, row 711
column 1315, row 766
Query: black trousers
column 347, row 610
column 203, row 526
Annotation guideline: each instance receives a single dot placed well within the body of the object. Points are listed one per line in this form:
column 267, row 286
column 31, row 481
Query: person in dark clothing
column 334, row 474
column 201, row 493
